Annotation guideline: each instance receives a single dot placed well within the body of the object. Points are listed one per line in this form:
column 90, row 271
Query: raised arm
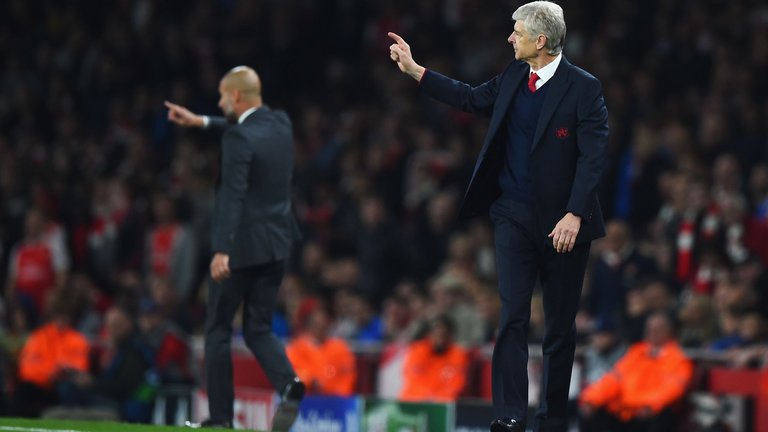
column 460, row 95
column 184, row 117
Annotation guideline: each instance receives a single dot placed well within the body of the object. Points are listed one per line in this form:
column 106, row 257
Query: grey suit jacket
column 252, row 220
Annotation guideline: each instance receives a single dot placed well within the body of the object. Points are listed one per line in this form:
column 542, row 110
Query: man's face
column 657, row 331
column 226, row 102
column 525, row 48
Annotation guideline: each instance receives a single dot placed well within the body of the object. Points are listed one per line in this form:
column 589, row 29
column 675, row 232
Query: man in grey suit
column 253, row 228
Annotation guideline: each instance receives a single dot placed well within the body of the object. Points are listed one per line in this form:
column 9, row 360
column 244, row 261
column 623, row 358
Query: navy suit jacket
column 252, row 220
column 567, row 156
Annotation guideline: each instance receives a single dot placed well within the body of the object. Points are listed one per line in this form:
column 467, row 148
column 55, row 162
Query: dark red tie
column 532, row 82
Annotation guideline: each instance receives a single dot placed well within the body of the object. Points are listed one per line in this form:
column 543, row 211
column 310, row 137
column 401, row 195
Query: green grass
column 31, row 425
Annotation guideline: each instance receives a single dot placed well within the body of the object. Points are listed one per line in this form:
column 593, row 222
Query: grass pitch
column 37, row 425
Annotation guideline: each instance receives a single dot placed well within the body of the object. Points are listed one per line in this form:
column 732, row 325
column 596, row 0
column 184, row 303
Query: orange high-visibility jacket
column 330, row 364
column 50, row 350
column 429, row 376
column 641, row 380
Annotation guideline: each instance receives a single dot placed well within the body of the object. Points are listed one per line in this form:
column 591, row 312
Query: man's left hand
column 565, row 232
column 220, row 267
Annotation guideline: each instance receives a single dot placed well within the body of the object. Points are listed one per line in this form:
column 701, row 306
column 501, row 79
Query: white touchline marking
column 23, row 429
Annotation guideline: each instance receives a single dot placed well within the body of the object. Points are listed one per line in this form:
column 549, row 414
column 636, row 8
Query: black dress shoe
column 209, row 423
column 506, row 425
column 293, row 391
column 288, row 409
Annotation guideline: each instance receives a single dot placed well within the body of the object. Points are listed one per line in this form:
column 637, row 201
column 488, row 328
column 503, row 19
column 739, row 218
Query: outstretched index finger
column 397, row 38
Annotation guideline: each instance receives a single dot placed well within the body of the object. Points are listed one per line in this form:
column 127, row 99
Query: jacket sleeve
column 602, row 391
column 592, row 140
column 461, row 95
column 216, row 122
column 35, row 364
column 235, row 165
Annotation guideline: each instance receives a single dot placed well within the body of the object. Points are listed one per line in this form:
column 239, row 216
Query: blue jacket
column 568, row 152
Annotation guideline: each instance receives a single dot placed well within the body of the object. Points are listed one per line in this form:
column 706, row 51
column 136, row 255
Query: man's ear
column 541, row 41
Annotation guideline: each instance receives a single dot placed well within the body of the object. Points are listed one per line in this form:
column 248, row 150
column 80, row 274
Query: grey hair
column 543, row 17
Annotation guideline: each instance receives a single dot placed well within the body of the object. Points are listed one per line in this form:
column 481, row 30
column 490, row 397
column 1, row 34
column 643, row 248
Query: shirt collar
column 547, row 71
column 245, row 114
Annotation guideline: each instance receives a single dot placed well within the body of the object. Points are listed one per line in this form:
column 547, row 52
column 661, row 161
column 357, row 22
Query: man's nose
column 511, row 38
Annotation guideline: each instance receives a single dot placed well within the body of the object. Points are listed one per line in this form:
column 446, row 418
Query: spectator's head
column 312, row 258
column 539, row 26
column 636, row 304
column 118, row 323
column 164, row 294
column 659, row 329
column 373, row 211
column 657, row 296
column 318, row 322
column 441, row 332
column 239, row 90
column 62, row 309
column 150, row 315
column 752, row 328
column 604, row 335
column 726, row 173
column 696, row 311
column 617, row 236
column 441, row 212
column 163, row 208
column 34, row 223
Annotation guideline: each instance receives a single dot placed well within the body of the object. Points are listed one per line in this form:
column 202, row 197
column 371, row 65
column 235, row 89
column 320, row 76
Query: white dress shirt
column 546, row 72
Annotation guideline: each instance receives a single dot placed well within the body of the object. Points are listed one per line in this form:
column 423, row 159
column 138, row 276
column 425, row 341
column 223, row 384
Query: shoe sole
column 286, row 414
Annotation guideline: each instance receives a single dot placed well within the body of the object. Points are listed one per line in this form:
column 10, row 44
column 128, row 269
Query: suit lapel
column 555, row 93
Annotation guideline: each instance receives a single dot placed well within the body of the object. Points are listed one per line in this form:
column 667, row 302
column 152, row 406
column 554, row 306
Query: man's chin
column 231, row 117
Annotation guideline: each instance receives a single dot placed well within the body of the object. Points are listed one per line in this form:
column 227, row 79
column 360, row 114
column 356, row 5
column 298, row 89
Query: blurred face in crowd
column 34, row 224
column 752, row 328
column 440, row 335
column 163, row 209
column 318, row 324
column 525, row 47
column 616, row 236
column 602, row 341
column 658, row 330
column 118, row 325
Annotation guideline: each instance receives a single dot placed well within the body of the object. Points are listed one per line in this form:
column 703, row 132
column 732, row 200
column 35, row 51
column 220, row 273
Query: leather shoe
column 209, row 423
column 293, row 391
column 506, row 425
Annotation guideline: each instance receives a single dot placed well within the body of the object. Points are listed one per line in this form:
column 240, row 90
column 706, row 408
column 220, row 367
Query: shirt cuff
column 422, row 75
column 206, row 121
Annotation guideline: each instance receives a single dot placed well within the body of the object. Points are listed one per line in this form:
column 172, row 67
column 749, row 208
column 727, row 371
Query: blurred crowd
column 105, row 203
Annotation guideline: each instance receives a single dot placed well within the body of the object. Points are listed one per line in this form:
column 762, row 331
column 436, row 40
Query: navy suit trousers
column 522, row 259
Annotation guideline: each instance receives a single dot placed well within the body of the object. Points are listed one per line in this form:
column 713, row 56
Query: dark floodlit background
column 379, row 168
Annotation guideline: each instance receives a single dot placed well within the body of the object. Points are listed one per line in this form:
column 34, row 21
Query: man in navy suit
column 253, row 228
column 537, row 176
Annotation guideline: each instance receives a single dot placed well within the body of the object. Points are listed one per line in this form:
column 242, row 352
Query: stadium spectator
column 618, row 266
column 52, row 354
column 325, row 363
column 170, row 248
column 697, row 320
column 604, row 350
column 435, row 368
column 169, row 344
column 125, row 382
column 38, row 264
column 641, row 390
